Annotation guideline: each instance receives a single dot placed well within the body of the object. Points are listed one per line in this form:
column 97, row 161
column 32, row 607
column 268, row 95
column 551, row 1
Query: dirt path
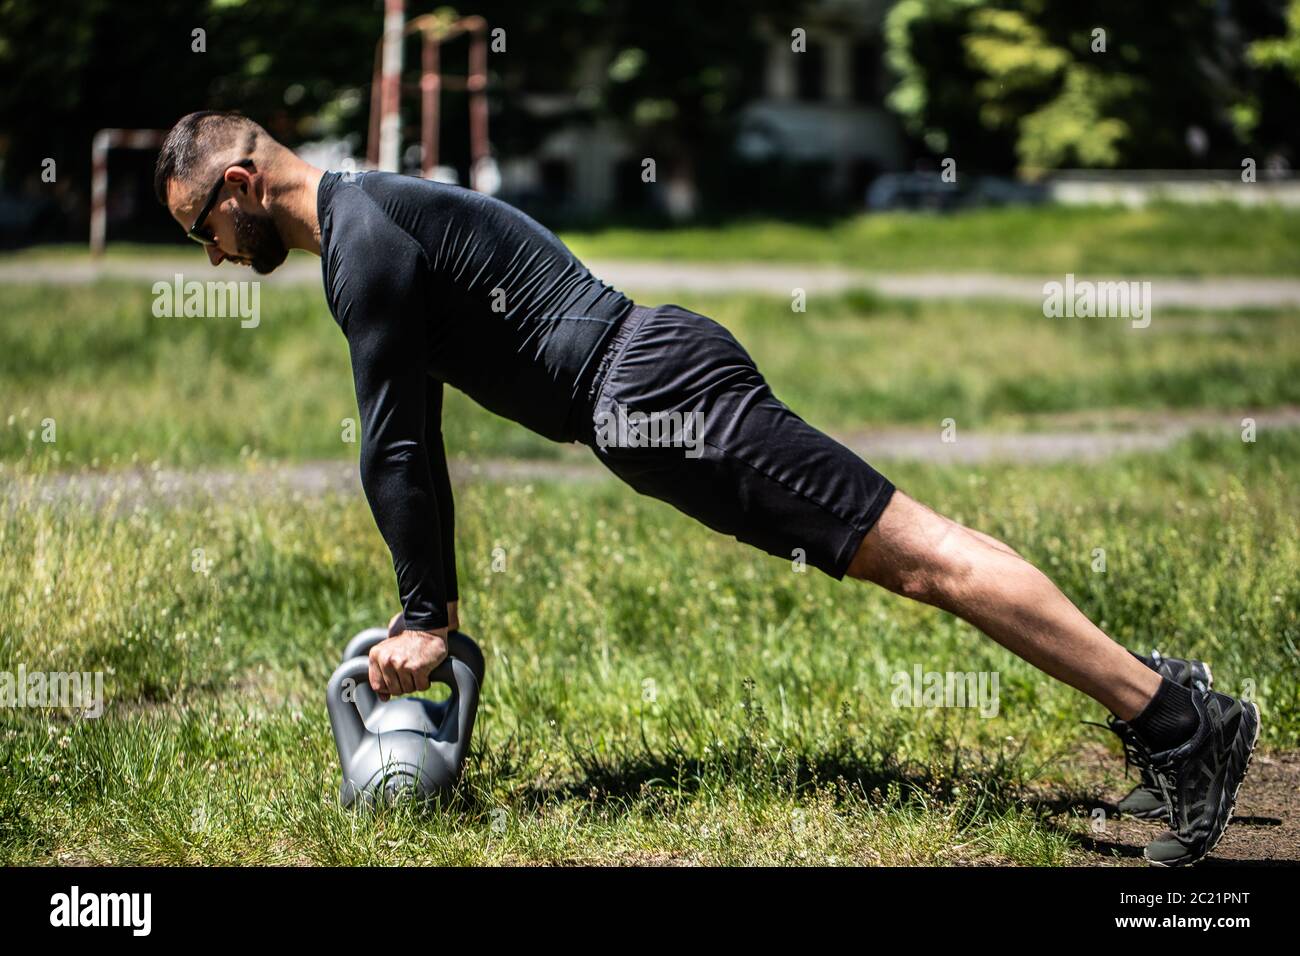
column 1082, row 437
column 775, row 278
column 1079, row 437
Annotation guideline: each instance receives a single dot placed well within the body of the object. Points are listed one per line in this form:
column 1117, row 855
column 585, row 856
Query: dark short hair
column 194, row 142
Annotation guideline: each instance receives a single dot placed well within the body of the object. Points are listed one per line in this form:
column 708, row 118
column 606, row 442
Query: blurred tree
column 1282, row 51
column 1108, row 83
column 302, row 70
column 668, row 76
column 997, row 83
column 1018, row 64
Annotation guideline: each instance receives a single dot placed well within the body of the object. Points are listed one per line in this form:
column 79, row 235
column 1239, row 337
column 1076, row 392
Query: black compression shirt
column 433, row 283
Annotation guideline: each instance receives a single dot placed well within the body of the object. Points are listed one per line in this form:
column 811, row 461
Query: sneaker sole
column 1230, row 804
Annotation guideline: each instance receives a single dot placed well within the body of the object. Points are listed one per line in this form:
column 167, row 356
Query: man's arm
column 437, row 451
column 436, row 448
column 384, row 315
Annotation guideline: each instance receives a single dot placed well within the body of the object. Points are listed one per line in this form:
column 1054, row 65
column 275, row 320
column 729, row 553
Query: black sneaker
column 1201, row 778
column 1147, row 801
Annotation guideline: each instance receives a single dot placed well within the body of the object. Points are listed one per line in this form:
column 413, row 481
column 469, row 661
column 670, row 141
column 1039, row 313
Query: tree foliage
column 1102, row 84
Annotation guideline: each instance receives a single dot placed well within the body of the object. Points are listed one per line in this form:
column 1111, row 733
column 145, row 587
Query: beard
column 259, row 241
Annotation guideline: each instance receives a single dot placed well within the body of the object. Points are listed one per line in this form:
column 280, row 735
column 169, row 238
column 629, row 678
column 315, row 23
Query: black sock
column 1169, row 720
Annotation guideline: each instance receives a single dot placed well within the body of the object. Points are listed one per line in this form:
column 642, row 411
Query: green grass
column 121, row 385
column 770, row 738
column 1162, row 239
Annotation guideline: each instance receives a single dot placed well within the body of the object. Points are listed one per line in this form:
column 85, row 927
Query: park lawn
column 1158, row 240
column 655, row 693
column 121, row 386
column 1162, row 239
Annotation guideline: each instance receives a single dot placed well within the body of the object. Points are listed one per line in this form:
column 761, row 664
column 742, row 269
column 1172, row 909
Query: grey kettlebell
column 406, row 744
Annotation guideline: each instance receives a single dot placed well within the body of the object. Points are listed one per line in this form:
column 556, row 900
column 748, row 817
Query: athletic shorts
column 678, row 410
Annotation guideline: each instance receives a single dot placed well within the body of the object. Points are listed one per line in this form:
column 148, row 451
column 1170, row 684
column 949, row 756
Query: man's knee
column 994, row 543
column 917, row 553
column 942, row 569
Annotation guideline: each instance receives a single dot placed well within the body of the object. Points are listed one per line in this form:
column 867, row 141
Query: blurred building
column 825, row 106
column 815, row 125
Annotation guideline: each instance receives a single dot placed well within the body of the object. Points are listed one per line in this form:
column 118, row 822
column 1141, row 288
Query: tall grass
column 655, row 693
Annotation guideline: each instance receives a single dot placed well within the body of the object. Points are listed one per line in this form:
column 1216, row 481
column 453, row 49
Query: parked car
column 929, row 190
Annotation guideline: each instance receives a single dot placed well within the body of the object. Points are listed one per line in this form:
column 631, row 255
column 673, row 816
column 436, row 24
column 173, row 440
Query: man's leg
column 770, row 479
column 920, row 554
column 992, row 542
column 1197, row 743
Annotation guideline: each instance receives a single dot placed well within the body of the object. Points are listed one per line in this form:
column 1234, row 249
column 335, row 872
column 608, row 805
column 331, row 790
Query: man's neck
column 295, row 208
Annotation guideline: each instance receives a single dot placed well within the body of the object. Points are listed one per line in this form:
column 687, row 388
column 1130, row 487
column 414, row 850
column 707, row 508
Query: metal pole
column 376, row 106
column 430, row 83
column 390, row 124
column 99, row 190
column 478, row 105
column 105, row 140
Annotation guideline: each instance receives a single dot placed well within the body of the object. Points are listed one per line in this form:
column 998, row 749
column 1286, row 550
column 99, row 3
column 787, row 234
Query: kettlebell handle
column 459, row 645
column 360, row 645
column 347, row 717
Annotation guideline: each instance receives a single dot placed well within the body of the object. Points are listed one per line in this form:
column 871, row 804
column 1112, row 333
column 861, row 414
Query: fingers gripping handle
column 459, row 645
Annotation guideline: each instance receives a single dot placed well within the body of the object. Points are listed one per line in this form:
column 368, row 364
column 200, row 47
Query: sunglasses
column 207, row 238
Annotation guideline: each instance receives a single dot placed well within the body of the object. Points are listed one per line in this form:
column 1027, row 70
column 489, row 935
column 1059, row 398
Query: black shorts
column 678, row 410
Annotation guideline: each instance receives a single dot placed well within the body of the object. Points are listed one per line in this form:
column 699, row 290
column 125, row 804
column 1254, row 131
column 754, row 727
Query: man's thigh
column 758, row 471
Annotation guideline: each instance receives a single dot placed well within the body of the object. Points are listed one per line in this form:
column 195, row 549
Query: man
column 434, row 284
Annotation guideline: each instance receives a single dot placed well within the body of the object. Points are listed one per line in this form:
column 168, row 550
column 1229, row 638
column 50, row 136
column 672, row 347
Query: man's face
column 245, row 233
column 258, row 241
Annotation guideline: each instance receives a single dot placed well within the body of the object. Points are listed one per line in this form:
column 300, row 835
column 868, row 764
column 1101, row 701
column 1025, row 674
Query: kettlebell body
column 405, row 744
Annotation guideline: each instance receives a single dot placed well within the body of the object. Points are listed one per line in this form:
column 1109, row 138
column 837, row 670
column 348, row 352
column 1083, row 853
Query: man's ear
column 241, row 181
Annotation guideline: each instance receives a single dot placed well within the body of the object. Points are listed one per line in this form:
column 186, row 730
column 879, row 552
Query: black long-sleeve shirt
column 433, row 283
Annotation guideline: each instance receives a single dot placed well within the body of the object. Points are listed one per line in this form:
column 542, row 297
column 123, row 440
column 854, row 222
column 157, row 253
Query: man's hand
column 402, row 663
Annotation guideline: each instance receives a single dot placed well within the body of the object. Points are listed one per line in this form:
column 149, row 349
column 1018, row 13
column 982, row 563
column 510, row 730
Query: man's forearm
column 395, row 477
column 440, row 476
